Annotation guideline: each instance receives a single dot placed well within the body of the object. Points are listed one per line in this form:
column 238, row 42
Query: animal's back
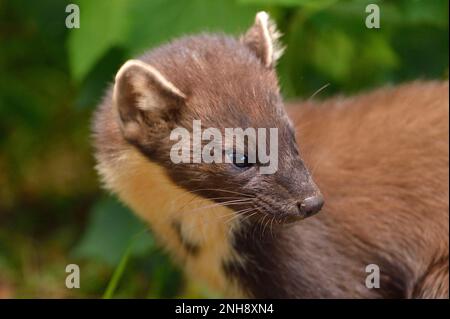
column 382, row 162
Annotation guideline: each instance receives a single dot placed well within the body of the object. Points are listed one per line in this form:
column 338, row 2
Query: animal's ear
column 141, row 93
column 262, row 39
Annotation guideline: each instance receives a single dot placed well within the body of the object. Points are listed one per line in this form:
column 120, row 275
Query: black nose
column 311, row 205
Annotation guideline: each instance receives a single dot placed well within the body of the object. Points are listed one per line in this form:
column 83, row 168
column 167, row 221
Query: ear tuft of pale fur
column 143, row 80
column 263, row 39
column 141, row 88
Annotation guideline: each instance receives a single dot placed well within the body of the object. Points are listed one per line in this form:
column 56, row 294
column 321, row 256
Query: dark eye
column 239, row 160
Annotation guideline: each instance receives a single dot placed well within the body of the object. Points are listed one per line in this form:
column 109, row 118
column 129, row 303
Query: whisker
column 219, row 190
column 215, row 198
column 240, row 212
column 232, row 214
column 186, row 193
column 227, row 203
column 318, row 91
column 271, row 226
column 249, row 216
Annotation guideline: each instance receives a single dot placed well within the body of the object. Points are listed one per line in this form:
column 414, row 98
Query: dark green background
column 52, row 210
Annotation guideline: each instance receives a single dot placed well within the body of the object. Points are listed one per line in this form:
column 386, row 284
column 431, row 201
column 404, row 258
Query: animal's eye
column 239, row 160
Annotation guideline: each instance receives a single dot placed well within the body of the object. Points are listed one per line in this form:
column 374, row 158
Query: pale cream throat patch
column 146, row 189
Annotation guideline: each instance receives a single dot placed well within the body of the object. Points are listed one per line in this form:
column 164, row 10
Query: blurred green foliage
column 52, row 211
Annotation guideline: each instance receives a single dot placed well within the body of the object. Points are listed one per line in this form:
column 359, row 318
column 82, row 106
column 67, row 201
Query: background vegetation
column 52, row 210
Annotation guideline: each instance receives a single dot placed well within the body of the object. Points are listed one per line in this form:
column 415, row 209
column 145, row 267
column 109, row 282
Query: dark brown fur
column 190, row 247
column 226, row 90
column 381, row 161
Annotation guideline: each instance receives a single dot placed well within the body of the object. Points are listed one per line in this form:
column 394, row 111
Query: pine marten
column 379, row 161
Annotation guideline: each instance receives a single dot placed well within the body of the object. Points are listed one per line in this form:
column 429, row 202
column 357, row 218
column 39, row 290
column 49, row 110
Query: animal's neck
column 211, row 243
column 196, row 231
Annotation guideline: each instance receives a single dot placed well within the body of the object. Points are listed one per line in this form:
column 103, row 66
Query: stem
column 118, row 272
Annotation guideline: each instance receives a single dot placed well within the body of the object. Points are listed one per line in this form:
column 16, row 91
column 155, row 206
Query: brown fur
column 381, row 161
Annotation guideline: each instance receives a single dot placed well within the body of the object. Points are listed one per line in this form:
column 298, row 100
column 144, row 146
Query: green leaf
column 110, row 231
column 139, row 24
column 103, row 24
column 378, row 53
column 313, row 4
column 333, row 54
column 434, row 12
column 157, row 21
column 117, row 275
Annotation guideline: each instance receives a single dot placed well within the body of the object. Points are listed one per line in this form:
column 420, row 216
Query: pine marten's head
column 224, row 83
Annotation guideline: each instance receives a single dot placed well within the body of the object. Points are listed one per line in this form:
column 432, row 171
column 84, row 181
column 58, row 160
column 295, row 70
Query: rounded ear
column 140, row 89
column 262, row 39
